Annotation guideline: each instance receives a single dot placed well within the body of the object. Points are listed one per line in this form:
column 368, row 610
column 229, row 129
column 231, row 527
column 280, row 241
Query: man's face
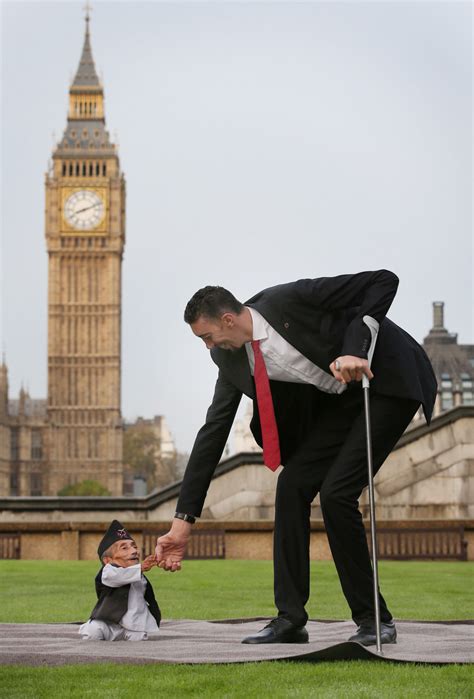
column 124, row 554
column 222, row 332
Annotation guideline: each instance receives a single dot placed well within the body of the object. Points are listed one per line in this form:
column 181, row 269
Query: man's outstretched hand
column 347, row 368
column 170, row 547
column 148, row 563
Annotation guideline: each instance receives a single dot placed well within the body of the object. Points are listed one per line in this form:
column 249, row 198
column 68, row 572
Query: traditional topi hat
column 116, row 532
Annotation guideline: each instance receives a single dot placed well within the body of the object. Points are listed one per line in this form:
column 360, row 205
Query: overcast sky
column 261, row 143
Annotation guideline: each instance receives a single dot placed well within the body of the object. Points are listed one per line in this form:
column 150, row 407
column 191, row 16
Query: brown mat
column 187, row 641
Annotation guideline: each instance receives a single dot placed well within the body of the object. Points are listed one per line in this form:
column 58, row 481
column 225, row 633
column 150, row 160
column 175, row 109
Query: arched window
column 70, row 170
column 77, row 169
column 91, row 169
column 97, row 169
column 64, row 169
column 104, row 169
column 84, row 172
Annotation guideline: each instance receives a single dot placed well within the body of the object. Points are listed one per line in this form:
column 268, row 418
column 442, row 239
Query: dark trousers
column 332, row 459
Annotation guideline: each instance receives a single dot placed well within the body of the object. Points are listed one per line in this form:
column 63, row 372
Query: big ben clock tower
column 85, row 235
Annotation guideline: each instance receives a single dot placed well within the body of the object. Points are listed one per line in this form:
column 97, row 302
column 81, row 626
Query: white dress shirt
column 283, row 362
column 138, row 616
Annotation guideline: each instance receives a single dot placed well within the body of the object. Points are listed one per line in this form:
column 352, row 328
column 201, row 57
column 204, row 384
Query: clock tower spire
column 85, row 236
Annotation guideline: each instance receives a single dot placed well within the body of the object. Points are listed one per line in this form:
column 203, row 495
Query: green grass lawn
column 39, row 591
column 47, row 591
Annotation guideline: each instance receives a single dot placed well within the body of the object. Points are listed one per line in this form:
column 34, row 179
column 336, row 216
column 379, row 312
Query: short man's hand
column 148, row 563
column 170, row 548
column 347, row 368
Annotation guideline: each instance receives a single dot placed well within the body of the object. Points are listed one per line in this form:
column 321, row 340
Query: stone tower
column 85, row 235
column 5, row 449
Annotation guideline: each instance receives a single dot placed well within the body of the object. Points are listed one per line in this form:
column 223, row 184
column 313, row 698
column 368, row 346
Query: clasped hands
column 170, row 547
column 148, row 563
column 348, row 368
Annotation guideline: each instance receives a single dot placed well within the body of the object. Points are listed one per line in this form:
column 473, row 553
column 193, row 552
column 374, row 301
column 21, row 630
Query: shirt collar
column 259, row 325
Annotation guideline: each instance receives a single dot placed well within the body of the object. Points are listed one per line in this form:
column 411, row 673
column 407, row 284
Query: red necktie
column 271, row 443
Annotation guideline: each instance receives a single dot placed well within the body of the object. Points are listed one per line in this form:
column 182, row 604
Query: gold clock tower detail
column 85, row 235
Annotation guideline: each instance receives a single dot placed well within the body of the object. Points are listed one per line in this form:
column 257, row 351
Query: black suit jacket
column 322, row 319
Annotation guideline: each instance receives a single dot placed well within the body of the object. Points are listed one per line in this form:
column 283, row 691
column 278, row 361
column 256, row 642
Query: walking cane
column 373, row 326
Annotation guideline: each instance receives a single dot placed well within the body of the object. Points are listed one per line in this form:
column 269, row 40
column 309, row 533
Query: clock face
column 84, row 210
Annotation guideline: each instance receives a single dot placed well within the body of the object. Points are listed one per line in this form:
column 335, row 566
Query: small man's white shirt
column 283, row 361
column 138, row 616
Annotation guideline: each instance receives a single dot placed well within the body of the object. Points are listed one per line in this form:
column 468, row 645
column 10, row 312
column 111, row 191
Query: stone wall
column 243, row 540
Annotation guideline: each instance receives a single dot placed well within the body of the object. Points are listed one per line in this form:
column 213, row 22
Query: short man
column 309, row 337
column 126, row 609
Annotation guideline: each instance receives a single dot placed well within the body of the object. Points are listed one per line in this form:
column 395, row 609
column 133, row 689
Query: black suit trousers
column 331, row 460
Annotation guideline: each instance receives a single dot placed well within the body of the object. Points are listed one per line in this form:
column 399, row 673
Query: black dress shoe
column 279, row 631
column 366, row 634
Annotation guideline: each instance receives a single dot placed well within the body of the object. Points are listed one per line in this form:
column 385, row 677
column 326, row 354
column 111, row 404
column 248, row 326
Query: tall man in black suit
column 314, row 345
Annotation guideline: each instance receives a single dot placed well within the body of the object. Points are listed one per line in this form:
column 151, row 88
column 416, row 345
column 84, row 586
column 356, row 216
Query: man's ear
column 106, row 559
column 228, row 319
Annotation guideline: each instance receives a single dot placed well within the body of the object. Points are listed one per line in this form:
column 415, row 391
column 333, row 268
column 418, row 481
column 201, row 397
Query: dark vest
column 112, row 602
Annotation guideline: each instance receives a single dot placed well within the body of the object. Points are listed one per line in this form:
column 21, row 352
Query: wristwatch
column 185, row 517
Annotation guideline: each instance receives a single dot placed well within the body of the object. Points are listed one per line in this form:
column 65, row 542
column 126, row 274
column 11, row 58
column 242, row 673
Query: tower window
column 97, row 169
column 35, row 484
column 15, row 444
column 36, row 444
column 84, row 172
column 64, row 169
column 14, row 481
column 77, row 168
column 91, row 169
column 70, row 169
column 104, row 169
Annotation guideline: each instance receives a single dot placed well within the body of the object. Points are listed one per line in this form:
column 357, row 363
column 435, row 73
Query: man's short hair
column 109, row 553
column 211, row 302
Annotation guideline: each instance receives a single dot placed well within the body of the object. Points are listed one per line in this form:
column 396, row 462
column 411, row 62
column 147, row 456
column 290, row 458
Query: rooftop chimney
column 438, row 315
column 438, row 333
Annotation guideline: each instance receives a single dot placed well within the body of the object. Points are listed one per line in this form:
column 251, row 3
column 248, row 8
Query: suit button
column 286, row 325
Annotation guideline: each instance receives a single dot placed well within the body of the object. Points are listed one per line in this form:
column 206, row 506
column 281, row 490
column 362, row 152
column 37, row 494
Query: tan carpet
column 187, row 641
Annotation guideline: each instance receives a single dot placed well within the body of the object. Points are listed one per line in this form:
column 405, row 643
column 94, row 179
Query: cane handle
column 373, row 326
